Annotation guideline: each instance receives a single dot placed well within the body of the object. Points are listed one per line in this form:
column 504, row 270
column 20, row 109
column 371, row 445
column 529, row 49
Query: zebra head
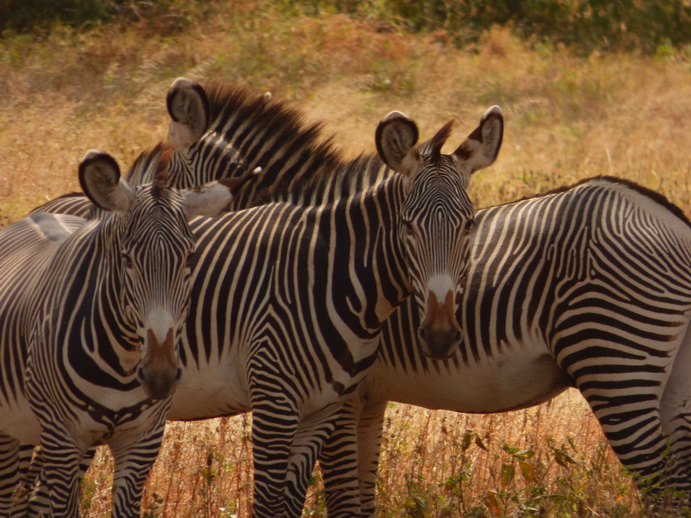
column 152, row 253
column 436, row 216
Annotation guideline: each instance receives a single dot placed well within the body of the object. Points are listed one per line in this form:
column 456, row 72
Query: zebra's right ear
column 395, row 138
column 99, row 177
column 190, row 115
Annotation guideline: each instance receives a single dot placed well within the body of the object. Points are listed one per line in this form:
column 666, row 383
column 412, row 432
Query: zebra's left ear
column 213, row 198
column 190, row 115
column 396, row 137
column 99, row 177
column 481, row 147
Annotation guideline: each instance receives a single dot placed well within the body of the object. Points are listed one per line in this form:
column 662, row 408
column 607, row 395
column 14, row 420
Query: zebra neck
column 376, row 255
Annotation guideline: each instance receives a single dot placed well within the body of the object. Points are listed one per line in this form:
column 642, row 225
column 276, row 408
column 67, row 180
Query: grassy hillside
column 568, row 117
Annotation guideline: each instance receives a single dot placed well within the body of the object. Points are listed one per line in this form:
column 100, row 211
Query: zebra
column 498, row 352
column 222, row 131
column 586, row 287
column 289, row 297
column 90, row 312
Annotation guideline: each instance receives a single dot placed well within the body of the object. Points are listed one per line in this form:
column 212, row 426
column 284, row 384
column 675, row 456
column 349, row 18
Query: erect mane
column 342, row 180
column 153, row 164
column 297, row 163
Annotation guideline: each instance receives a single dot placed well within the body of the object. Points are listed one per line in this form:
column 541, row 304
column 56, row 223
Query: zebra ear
column 99, row 177
column 395, row 138
column 481, row 147
column 188, row 107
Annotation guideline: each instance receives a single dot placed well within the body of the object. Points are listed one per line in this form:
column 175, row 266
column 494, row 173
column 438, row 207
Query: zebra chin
column 159, row 371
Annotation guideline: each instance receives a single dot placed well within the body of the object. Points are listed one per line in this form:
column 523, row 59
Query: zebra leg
column 675, row 413
column 134, row 457
column 10, row 473
column 274, row 424
column 625, row 397
column 369, row 435
column 40, row 503
column 59, row 474
column 339, row 463
column 350, row 459
column 312, row 432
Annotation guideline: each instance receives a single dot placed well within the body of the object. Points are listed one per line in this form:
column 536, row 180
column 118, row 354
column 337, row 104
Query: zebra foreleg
column 369, row 436
column 40, row 503
column 339, row 463
column 350, row 459
column 59, row 474
column 312, row 432
column 274, row 424
column 134, row 459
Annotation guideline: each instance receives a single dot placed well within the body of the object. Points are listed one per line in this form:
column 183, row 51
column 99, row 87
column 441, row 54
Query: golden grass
column 566, row 118
column 551, row 458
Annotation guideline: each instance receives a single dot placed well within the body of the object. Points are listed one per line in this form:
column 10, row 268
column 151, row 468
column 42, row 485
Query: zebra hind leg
column 10, row 474
column 675, row 414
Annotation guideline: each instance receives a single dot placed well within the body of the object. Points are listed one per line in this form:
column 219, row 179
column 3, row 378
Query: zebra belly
column 508, row 382
column 207, row 391
column 18, row 421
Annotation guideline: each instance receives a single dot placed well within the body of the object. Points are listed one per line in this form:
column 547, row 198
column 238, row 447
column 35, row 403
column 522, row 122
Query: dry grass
column 567, row 118
column 551, row 460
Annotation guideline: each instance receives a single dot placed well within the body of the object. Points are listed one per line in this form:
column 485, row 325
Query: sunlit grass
column 567, row 118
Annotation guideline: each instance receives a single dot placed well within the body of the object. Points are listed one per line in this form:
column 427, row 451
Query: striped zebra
column 589, row 287
column 510, row 360
column 90, row 314
column 222, row 131
column 289, row 297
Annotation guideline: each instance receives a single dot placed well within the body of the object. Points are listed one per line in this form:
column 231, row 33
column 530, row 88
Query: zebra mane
column 328, row 185
column 297, row 163
column 156, row 158
column 656, row 197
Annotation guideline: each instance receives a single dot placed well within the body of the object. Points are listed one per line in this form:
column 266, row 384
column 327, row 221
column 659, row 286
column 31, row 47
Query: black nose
column 439, row 345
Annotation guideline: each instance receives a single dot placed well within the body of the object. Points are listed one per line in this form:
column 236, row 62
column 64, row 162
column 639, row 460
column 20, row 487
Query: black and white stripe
column 588, row 287
column 91, row 310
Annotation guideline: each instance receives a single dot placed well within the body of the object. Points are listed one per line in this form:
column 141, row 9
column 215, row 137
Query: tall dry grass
column 567, row 118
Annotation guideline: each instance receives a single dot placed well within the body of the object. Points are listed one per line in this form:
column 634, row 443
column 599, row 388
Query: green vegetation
column 647, row 25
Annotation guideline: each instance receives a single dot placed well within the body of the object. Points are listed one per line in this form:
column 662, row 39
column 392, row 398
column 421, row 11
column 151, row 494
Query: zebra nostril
column 178, row 375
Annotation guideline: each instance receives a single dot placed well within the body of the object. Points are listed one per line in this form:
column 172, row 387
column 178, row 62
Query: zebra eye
column 409, row 229
column 469, row 224
column 191, row 260
column 127, row 258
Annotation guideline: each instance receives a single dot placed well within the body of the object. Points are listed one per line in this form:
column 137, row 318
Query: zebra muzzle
column 439, row 332
column 159, row 371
